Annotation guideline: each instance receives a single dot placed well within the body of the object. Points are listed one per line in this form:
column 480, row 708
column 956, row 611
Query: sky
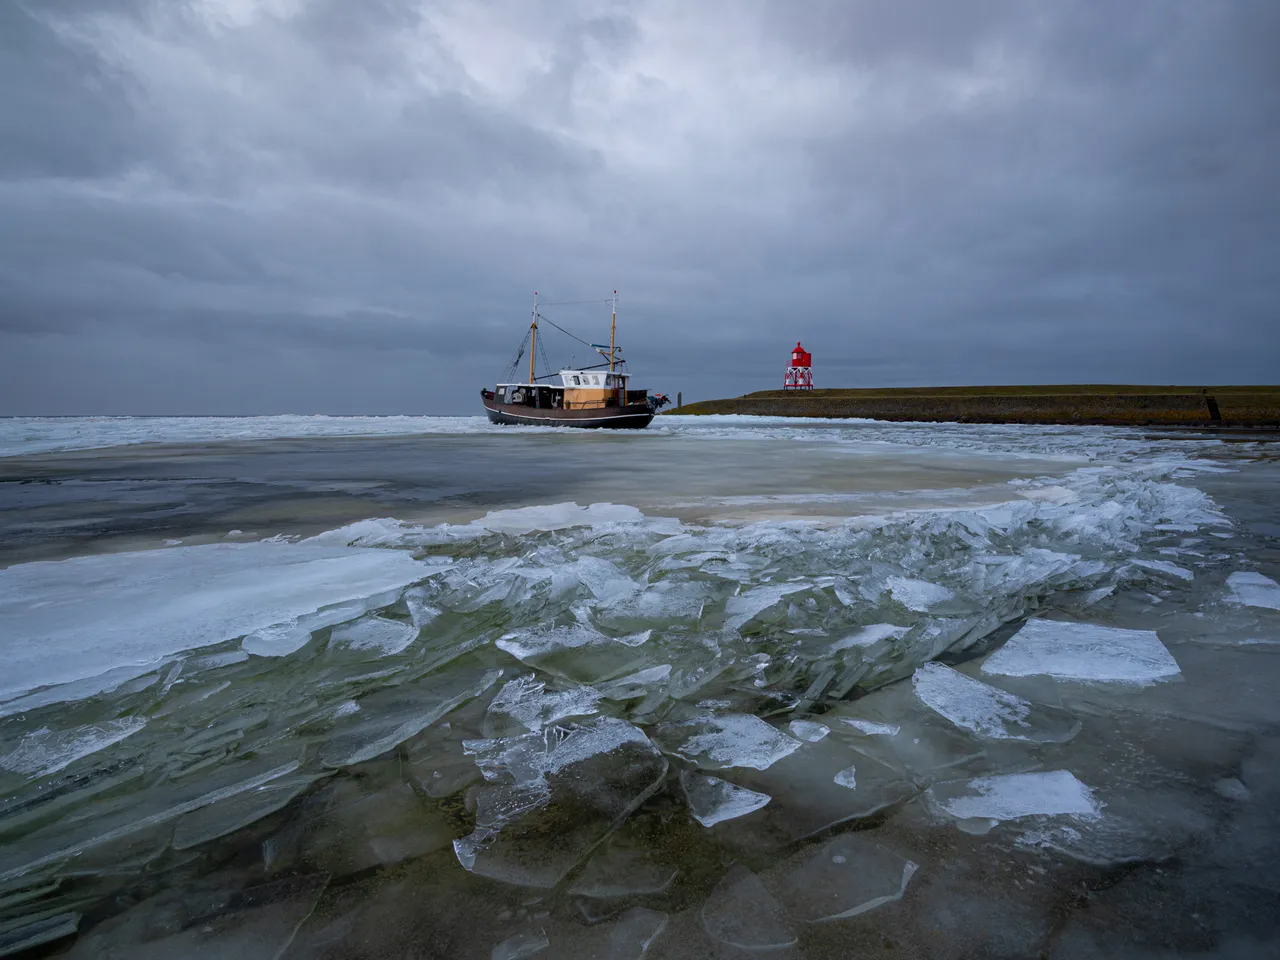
column 322, row 206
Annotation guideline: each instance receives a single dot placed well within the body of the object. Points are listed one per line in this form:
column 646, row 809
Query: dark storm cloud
column 266, row 205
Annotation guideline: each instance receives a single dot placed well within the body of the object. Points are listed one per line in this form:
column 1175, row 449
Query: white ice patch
column 526, row 703
column 973, row 705
column 918, row 595
column 375, row 633
column 848, row 777
column 1165, row 567
column 808, row 730
column 736, row 740
column 526, row 645
column 1254, row 590
column 712, row 800
column 869, row 635
column 870, row 728
column 74, row 619
column 1051, row 793
column 1083, row 651
column 43, row 751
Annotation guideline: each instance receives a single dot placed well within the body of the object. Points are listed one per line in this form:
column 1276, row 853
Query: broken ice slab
column 1165, row 567
column 638, row 684
column 623, row 866
column 227, row 816
column 552, row 797
column 44, row 751
column 527, row 943
column 22, row 935
column 870, row 728
column 1083, row 651
column 741, row 913
column 1254, row 590
column 918, row 595
column 76, row 619
column 632, row 934
column 808, row 730
column 987, row 711
column 750, row 604
column 378, row 635
column 712, row 800
column 390, row 717
column 578, row 651
column 255, row 924
column 1013, row 796
column 867, row 637
column 807, row 797
column 524, row 705
column 106, row 823
column 723, row 742
column 843, row 878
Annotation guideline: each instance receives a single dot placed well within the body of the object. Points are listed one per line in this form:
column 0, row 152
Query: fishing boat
column 597, row 395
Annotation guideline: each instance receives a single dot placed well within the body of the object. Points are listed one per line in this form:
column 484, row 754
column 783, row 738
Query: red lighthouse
column 799, row 374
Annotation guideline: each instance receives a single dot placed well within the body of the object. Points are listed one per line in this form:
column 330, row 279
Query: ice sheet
column 71, row 620
column 1254, row 590
column 1083, row 651
column 1010, row 797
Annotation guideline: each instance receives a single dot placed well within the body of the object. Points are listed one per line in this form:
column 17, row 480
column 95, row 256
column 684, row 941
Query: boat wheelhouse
column 595, row 396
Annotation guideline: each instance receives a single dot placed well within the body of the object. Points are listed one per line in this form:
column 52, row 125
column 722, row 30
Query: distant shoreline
column 1097, row 404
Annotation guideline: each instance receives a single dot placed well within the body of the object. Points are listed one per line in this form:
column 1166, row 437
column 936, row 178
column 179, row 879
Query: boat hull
column 631, row 417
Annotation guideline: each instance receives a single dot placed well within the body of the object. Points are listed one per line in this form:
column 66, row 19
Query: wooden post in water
column 679, row 399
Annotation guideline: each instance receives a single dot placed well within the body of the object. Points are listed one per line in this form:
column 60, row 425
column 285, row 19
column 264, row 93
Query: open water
column 424, row 687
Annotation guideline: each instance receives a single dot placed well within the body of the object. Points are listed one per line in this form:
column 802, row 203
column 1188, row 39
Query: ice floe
column 1014, row 796
column 988, row 711
column 1254, row 590
column 918, row 595
column 1083, row 651
column 377, row 634
column 809, row 730
column 732, row 740
column 712, row 800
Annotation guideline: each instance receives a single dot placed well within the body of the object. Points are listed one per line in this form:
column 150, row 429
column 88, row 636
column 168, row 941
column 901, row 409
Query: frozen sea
column 322, row 687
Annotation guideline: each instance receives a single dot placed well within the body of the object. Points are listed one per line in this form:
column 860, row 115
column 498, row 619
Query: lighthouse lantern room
column 799, row 374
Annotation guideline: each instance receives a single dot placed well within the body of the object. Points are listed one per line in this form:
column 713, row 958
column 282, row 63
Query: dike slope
column 1114, row 404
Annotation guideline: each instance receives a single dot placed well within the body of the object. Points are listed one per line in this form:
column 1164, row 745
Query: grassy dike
column 1123, row 404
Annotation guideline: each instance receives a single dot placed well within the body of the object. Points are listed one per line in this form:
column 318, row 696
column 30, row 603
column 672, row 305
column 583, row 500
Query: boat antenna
column 613, row 331
column 533, row 347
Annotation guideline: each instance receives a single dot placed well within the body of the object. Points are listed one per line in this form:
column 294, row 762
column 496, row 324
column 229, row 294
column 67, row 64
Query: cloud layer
column 244, row 206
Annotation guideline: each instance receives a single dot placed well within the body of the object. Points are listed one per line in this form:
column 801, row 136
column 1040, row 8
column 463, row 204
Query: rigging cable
column 564, row 331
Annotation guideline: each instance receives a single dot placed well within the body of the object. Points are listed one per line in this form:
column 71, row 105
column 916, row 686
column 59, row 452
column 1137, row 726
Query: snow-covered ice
column 1083, row 651
column 1254, row 590
column 75, row 619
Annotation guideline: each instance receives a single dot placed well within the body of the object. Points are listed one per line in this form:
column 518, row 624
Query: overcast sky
column 263, row 206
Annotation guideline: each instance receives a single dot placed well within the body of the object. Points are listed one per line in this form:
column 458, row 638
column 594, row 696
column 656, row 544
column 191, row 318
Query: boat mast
column 613, row 333
column 533, row 345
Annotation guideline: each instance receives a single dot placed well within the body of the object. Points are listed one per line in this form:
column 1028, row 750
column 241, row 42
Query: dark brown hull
column 632, row 417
